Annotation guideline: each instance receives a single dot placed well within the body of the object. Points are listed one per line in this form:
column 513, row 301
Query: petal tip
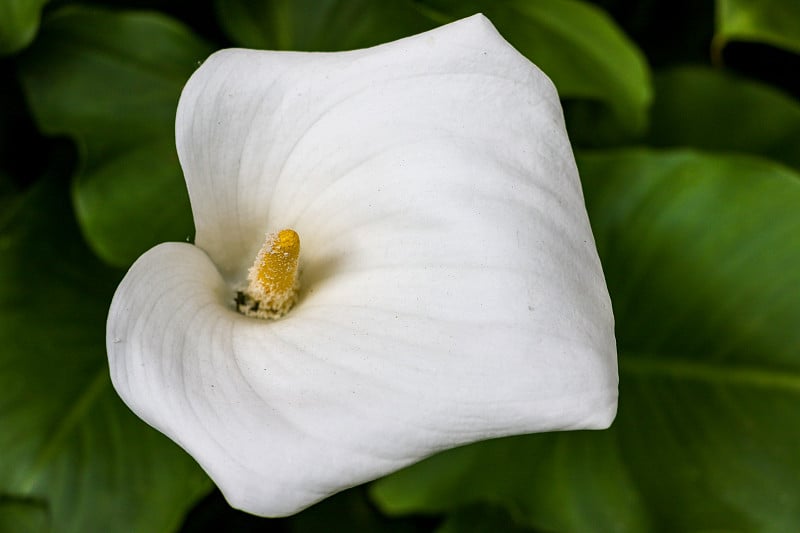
column 478, row 23
column 603, row 417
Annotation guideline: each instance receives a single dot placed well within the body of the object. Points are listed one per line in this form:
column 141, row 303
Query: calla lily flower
column 449, row 286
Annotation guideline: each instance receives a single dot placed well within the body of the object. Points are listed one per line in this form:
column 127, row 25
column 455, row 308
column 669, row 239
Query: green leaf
column 67, row 439
column 701, row 257
column 319, row 25
column 700, row 253
column 557, row 482
column 703, row 108
column 578, row 45
column 19, row 20
column 774, row 22
column 23, row 516
column 700, row 244
column 111, row 81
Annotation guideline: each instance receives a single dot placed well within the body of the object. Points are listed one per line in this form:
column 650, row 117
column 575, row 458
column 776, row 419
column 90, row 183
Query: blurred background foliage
column 686, row 124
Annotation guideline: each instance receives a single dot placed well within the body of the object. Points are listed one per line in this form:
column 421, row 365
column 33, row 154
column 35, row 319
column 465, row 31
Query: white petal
column 452, row 291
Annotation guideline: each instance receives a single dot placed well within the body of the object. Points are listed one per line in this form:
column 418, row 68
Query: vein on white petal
column 289, row 178
column 377, row 135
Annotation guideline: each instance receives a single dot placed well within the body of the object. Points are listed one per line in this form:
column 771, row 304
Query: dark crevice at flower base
column 250, row 307
column 245, row 303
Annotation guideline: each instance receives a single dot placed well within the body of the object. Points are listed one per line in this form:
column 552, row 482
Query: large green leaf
column 577, row 44
column 111, row 80
column 19, row 20
column 775, row 22
column 701, row 254
column 68, row 442
column 703, row 108
column 319, row 25
column 572, row 482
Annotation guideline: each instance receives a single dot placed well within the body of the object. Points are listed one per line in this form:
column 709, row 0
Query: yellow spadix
column 272, row 280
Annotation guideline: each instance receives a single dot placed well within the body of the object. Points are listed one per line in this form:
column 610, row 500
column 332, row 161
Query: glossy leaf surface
column 111, row 81
column 775, row 22
column 19, row 20
column 702, row 108
column 72, row 452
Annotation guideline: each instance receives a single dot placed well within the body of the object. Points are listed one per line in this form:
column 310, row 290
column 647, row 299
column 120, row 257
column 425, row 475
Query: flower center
column 272, row 280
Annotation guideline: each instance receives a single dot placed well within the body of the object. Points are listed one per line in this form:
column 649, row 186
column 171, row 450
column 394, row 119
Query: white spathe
column 452, row 291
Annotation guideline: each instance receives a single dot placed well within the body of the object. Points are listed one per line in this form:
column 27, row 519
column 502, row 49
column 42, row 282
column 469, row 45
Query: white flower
column 451, row 290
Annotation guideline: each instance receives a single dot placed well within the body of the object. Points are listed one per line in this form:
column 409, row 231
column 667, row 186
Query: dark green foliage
column 693, row 188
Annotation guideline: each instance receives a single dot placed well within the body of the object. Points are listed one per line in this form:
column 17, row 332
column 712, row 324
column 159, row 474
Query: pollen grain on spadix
column 273, row 279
